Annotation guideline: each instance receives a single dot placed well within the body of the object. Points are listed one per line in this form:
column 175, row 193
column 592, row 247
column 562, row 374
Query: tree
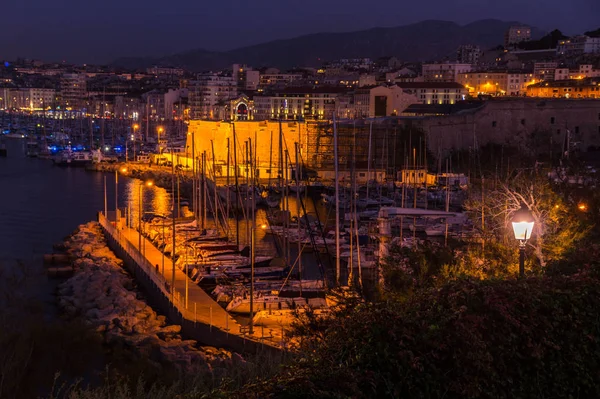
column 557, row 227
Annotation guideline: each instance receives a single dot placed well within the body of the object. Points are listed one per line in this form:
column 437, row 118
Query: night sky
column 83, row 31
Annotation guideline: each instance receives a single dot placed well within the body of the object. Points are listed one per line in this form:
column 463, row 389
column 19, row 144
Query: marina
column 261, row 244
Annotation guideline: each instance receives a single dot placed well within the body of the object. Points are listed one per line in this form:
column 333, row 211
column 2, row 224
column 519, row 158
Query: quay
column 204, row 320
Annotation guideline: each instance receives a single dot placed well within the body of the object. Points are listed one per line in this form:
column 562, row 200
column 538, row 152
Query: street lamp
column 135, row 127
column 123, row 170
column 522, row 224
column 160, row 131
column 148, row 183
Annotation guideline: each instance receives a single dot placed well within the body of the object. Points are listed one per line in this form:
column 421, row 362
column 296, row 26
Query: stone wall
column 513, row 121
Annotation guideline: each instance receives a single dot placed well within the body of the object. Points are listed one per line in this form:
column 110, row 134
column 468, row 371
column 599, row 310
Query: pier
column 203, row 319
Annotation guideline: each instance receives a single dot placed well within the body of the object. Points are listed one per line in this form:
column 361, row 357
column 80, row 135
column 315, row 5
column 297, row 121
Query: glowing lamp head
column 263, row 226
column 123, row 170
column 149, row 183
column 522, row 224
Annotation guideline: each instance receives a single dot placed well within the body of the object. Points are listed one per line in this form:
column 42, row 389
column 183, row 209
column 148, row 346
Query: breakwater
column 105, row 296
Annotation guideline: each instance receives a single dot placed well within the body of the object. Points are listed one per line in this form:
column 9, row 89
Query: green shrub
column 467, row 339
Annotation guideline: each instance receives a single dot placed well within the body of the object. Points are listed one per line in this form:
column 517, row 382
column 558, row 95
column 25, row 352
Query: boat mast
column 270, row 160
column 194, row 185
column 368, row 156
column 214, row 174
column 337, row 203
column 237, row 187
column 252, row 241
column 204, row 188
column 227, row 189
column 298, row 217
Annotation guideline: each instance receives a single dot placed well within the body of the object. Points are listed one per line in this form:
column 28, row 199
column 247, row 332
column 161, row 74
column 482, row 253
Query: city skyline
column 89, row 33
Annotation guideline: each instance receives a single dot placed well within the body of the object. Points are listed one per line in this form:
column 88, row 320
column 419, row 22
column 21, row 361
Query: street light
column 148, row 183
column 123, row 170
column 160, row 131
column 135, row 127
column 522, row 224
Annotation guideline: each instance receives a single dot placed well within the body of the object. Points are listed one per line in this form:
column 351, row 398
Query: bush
column 467, row 339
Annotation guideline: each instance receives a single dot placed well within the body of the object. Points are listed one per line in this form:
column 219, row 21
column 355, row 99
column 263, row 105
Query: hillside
column 422, row 41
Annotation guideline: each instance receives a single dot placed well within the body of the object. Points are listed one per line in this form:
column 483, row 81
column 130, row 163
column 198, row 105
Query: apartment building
column 207, row 91
column 435, row 92
column 294, row 103
column 73, row 90
column 444, row 72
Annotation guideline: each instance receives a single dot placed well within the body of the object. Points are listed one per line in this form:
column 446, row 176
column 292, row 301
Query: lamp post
column 123, row 170
column 135, row 127
column 522, row 224
column 160, row 131
column 148, row 183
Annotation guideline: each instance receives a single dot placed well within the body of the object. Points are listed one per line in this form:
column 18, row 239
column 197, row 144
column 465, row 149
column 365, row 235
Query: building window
column 557, row 131
column 494, row 123
column 552, row 120
column 576, row 129
column 523, row 122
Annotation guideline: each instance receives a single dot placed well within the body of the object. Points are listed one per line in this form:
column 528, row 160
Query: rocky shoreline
column 105, row 297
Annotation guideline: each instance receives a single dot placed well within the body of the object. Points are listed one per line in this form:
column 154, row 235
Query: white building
column 444, row 72
column 579, row 45
column 4, row 97
column 371, row 102
column 207, row 91
column 435, row 93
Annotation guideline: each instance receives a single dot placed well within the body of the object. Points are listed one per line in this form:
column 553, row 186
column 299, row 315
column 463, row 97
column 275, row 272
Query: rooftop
column 429, row 85
column 442, row 109
column 569, row 83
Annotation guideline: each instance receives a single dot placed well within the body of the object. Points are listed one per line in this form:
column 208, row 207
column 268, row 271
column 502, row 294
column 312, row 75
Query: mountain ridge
column 426, row 40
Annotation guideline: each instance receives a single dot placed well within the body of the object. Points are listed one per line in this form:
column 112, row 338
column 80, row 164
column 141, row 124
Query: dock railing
column 195, row 313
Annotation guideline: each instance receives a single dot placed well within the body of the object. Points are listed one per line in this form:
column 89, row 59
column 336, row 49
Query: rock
column 106, row 297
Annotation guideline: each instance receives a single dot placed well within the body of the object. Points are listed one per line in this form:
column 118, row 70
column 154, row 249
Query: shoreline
column 103, row 294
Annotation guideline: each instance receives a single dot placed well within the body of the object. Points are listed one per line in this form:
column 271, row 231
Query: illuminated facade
column 435, row 93
column 295, row 103
column 30, row 99
column 265, row 136
column 574, row 88
column 370, row 102
column 496, row 83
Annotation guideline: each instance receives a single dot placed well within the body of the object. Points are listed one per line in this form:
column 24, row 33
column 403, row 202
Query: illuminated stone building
column 573, row 88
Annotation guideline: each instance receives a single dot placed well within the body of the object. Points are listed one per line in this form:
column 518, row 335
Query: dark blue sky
column 100, row 31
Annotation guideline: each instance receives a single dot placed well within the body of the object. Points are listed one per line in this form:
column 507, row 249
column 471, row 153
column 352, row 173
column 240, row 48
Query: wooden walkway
column 201, row 308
